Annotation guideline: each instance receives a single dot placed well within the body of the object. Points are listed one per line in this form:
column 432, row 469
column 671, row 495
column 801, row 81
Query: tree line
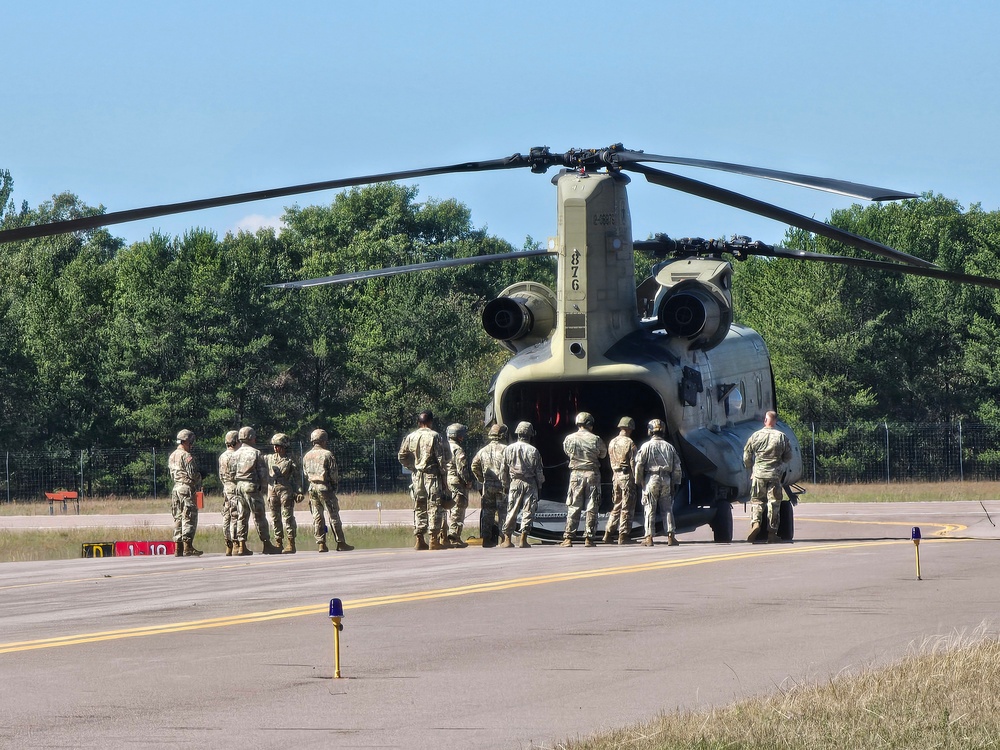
column 104, row 344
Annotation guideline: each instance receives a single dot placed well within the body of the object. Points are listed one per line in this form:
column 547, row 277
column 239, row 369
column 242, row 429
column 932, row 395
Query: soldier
column 522, row 477
column 487, row 467
column 321, row 471
column 227, row 477
column 766, row 452
column 187, row 481
column 585, row 451
column 654, row 463
column 284, row 490
column 459, row 482
column 251, row 479
column 621, row 453
column 426, row 455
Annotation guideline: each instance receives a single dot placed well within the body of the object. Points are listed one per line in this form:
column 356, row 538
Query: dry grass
column 946, row 694
column 901, row 492
column 64, row 544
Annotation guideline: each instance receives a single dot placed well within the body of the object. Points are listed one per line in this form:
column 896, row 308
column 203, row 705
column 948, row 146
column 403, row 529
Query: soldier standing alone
column 487, row 467
column 426, row 455
column 766, row 452
column 283, row 491
column 585, row 451
column 321, row 471
column 459, row 482
column 658, row 472
column 621, row 454
column 187, row 481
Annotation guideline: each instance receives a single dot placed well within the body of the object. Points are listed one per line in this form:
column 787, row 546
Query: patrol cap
column 232, row 437
column 524, row 429
column 184, row 435
column 317, row 436
column 656, row 427
column 279, row 438
column 626, row 423
column 585, row 418
column 247, row 433
column 457, row 430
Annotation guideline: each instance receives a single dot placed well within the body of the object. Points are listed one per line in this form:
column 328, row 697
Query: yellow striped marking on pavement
column 415, row 596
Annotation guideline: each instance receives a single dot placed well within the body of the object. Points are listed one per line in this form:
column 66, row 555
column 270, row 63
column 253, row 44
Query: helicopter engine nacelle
column 524, row 313
column 695, row 300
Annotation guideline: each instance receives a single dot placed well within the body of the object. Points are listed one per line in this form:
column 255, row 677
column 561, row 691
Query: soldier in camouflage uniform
column 321, row 471
column 585, row 451
column 621, row 454
column 227, row 477
column 459, row 482
column 487, row 468
column 522, row 477
column 284, row 490
column 658, row 473
column 766, row 452
column 426, row 455
column 187, row 481
column 251, row 481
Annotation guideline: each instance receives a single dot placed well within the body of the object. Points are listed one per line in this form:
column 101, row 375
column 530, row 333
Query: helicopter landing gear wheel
column 722, row 524
column 786, row 521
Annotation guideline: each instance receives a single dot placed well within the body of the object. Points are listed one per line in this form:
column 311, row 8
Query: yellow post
column 915, row 536
column 336, row 615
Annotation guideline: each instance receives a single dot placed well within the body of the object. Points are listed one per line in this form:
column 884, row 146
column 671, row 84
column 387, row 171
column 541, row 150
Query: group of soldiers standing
column 253, row 485
column 511, row 475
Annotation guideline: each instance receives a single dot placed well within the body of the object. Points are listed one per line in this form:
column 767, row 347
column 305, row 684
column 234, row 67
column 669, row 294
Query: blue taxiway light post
column 915, row 536
column 336, row 615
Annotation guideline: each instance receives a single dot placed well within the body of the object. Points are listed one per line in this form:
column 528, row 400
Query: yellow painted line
column 477, row 588
column 945, row 528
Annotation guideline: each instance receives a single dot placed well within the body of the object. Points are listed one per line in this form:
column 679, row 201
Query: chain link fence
column 831, row 453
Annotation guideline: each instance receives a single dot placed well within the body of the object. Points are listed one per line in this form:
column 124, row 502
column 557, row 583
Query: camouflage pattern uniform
column 522, row 477
column 283, row 491
column 426, row 455
column 227, row 478
column 658, row 472
column 487, row 467
column 183, row 504
column 585, row 451
column 766, row 452
column 459, row 482
column 621, row 454
column 324, row 479
column 251, row 480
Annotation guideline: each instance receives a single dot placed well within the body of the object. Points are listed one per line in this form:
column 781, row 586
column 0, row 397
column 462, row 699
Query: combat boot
column 624, row 539
column 244, row 550
column 608, row 537
column 458, row 542
column 178, row 549
column 321, row 545
column 435, row 542
column 419, row 544
column 190, row 551
column 588, row 542
column 754, row 533
column 671, row 539
column 344, row 546
column 567, row 542
column 444, row 541
column 270, row 549
column 289, row 548
column 506, row 541
column 523, row 541
column 647, row 541
column 229, row 548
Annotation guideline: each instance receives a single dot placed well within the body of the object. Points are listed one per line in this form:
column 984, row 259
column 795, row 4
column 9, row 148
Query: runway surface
column 475, row 647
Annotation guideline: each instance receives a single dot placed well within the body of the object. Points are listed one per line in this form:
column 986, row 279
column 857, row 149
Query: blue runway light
column 336, row 608
column 915, row 533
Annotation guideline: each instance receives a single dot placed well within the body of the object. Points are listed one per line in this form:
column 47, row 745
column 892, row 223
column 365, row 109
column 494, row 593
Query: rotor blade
column 135, row 214
column 754, row 206
column 878, row 265
column 842, row 187
column 345, row 278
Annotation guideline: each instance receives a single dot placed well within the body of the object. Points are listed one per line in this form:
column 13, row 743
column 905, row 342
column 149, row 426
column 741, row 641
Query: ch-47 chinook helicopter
column 666, row 349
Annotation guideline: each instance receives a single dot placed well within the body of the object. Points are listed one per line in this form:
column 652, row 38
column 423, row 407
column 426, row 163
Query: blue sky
column 129, row 104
